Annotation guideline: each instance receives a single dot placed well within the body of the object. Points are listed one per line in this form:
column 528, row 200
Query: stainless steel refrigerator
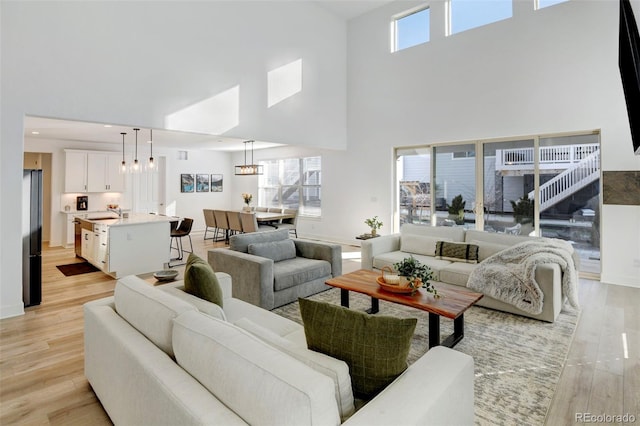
column 32, row 237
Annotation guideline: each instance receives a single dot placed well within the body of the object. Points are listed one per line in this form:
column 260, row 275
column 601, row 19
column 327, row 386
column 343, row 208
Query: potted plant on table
column 374, row 224
column 416, row 274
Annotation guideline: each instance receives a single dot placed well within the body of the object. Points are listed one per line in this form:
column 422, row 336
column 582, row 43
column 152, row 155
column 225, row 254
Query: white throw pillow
column 336, row 370
column 486, row 249
column 420, row 244
column 258, row 382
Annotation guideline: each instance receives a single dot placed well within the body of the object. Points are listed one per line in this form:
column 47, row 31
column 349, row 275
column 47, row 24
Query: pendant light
column 123, row 168
column 248, row 169
column 136, row 166
column 150, row 164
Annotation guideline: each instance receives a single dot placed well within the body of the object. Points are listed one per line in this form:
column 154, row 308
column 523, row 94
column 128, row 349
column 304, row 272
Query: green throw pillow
column 374, row 347
column 457, row 252
column 201, row 281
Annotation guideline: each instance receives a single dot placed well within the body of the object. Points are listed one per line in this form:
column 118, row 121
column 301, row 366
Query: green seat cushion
column 201, row 281
column 375, row 347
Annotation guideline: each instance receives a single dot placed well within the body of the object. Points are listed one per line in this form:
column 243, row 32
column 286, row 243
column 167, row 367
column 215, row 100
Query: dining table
column 272, row 216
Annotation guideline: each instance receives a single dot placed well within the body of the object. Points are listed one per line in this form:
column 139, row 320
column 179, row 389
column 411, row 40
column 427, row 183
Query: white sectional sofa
column 158, row 355
column 419, row 241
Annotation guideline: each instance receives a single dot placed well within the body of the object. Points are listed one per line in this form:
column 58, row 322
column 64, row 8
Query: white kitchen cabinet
column 101, row 243
column 93, row 171
column 103, row 173
column 88, row 250
column 75, row 171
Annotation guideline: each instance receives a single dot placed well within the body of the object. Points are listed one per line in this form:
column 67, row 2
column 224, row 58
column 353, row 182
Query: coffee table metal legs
column 344, row 301
column 434, row 323
column 434, row 331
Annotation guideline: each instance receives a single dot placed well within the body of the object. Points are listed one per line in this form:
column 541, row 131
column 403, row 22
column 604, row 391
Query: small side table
column 366, row 236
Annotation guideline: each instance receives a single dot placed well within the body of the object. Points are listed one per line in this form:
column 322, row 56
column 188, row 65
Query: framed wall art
column 216, row 183
column 187, row 182
column 202, row 183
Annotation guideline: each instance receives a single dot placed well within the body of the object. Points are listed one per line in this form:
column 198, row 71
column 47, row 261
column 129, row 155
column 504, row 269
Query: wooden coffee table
column 453, row 302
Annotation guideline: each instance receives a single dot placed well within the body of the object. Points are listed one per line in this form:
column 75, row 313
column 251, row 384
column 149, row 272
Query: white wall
column 546, row 71
column 136, row 63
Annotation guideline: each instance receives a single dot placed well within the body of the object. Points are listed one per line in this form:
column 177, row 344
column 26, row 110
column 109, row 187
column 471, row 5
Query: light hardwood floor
column 41, row 353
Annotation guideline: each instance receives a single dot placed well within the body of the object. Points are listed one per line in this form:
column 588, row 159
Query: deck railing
column 551, row 157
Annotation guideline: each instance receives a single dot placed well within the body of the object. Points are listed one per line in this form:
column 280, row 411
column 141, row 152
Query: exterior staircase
column 574, row 178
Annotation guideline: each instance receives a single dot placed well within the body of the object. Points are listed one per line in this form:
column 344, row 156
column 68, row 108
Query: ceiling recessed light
column 107, row 125
column 35, row 133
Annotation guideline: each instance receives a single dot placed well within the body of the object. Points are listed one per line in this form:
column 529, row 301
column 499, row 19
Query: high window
column 546, row 3
column 410, row 29
column 467, row 14
column 293, row 183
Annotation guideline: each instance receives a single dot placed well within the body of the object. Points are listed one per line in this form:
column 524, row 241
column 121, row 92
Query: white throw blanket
column 509, row 275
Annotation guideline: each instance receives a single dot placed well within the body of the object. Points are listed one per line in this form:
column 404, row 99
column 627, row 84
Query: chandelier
column 248, row 169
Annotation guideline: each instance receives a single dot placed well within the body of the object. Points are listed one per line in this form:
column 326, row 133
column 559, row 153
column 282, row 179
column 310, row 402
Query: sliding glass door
column 508, row 185
column 455, row 185
column 542, row 185
column 413, row 169
column 569, row 206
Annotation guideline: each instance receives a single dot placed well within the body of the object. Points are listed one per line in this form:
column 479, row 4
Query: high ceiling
column 48, row 128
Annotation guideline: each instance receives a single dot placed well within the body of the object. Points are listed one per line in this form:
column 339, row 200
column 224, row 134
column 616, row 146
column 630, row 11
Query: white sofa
column 419, row 241
column 157, row 355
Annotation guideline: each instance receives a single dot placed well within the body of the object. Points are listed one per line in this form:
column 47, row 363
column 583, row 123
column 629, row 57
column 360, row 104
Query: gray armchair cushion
column 241, row 242
column 274, row 250
column 299, row 270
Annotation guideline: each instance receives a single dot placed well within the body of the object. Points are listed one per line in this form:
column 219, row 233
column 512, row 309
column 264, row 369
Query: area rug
column 76, row 268
column 518, row 360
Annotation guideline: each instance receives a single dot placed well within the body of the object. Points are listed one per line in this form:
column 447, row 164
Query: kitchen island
column 119, row 246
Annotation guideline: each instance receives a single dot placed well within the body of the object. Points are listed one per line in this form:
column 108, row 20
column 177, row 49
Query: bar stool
column 183, row 230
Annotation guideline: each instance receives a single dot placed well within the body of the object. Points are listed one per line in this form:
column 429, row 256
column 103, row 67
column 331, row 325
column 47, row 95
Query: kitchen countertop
column 133, row 219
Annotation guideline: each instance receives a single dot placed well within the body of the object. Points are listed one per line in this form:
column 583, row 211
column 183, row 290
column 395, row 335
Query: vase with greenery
column 416, row 274
column 374, row 224
column 247, row 200
column 456, row 209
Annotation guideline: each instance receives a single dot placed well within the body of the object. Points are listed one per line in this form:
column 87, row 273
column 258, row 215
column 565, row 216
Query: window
column 293, row 183
column 410, row 29
column 467, row 14
column 546, row 3
column 463, row 154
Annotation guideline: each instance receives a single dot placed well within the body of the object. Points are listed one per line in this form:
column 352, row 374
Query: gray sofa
column 419, row 241
column 269, row 269
column 160, row 356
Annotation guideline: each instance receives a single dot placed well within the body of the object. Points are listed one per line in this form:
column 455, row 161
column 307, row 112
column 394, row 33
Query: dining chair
column 235, row 225
column 222, row 224
column 250, row 223
column 261, row 209
column 210, row 222
column 291, row 223
column 274, row 210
